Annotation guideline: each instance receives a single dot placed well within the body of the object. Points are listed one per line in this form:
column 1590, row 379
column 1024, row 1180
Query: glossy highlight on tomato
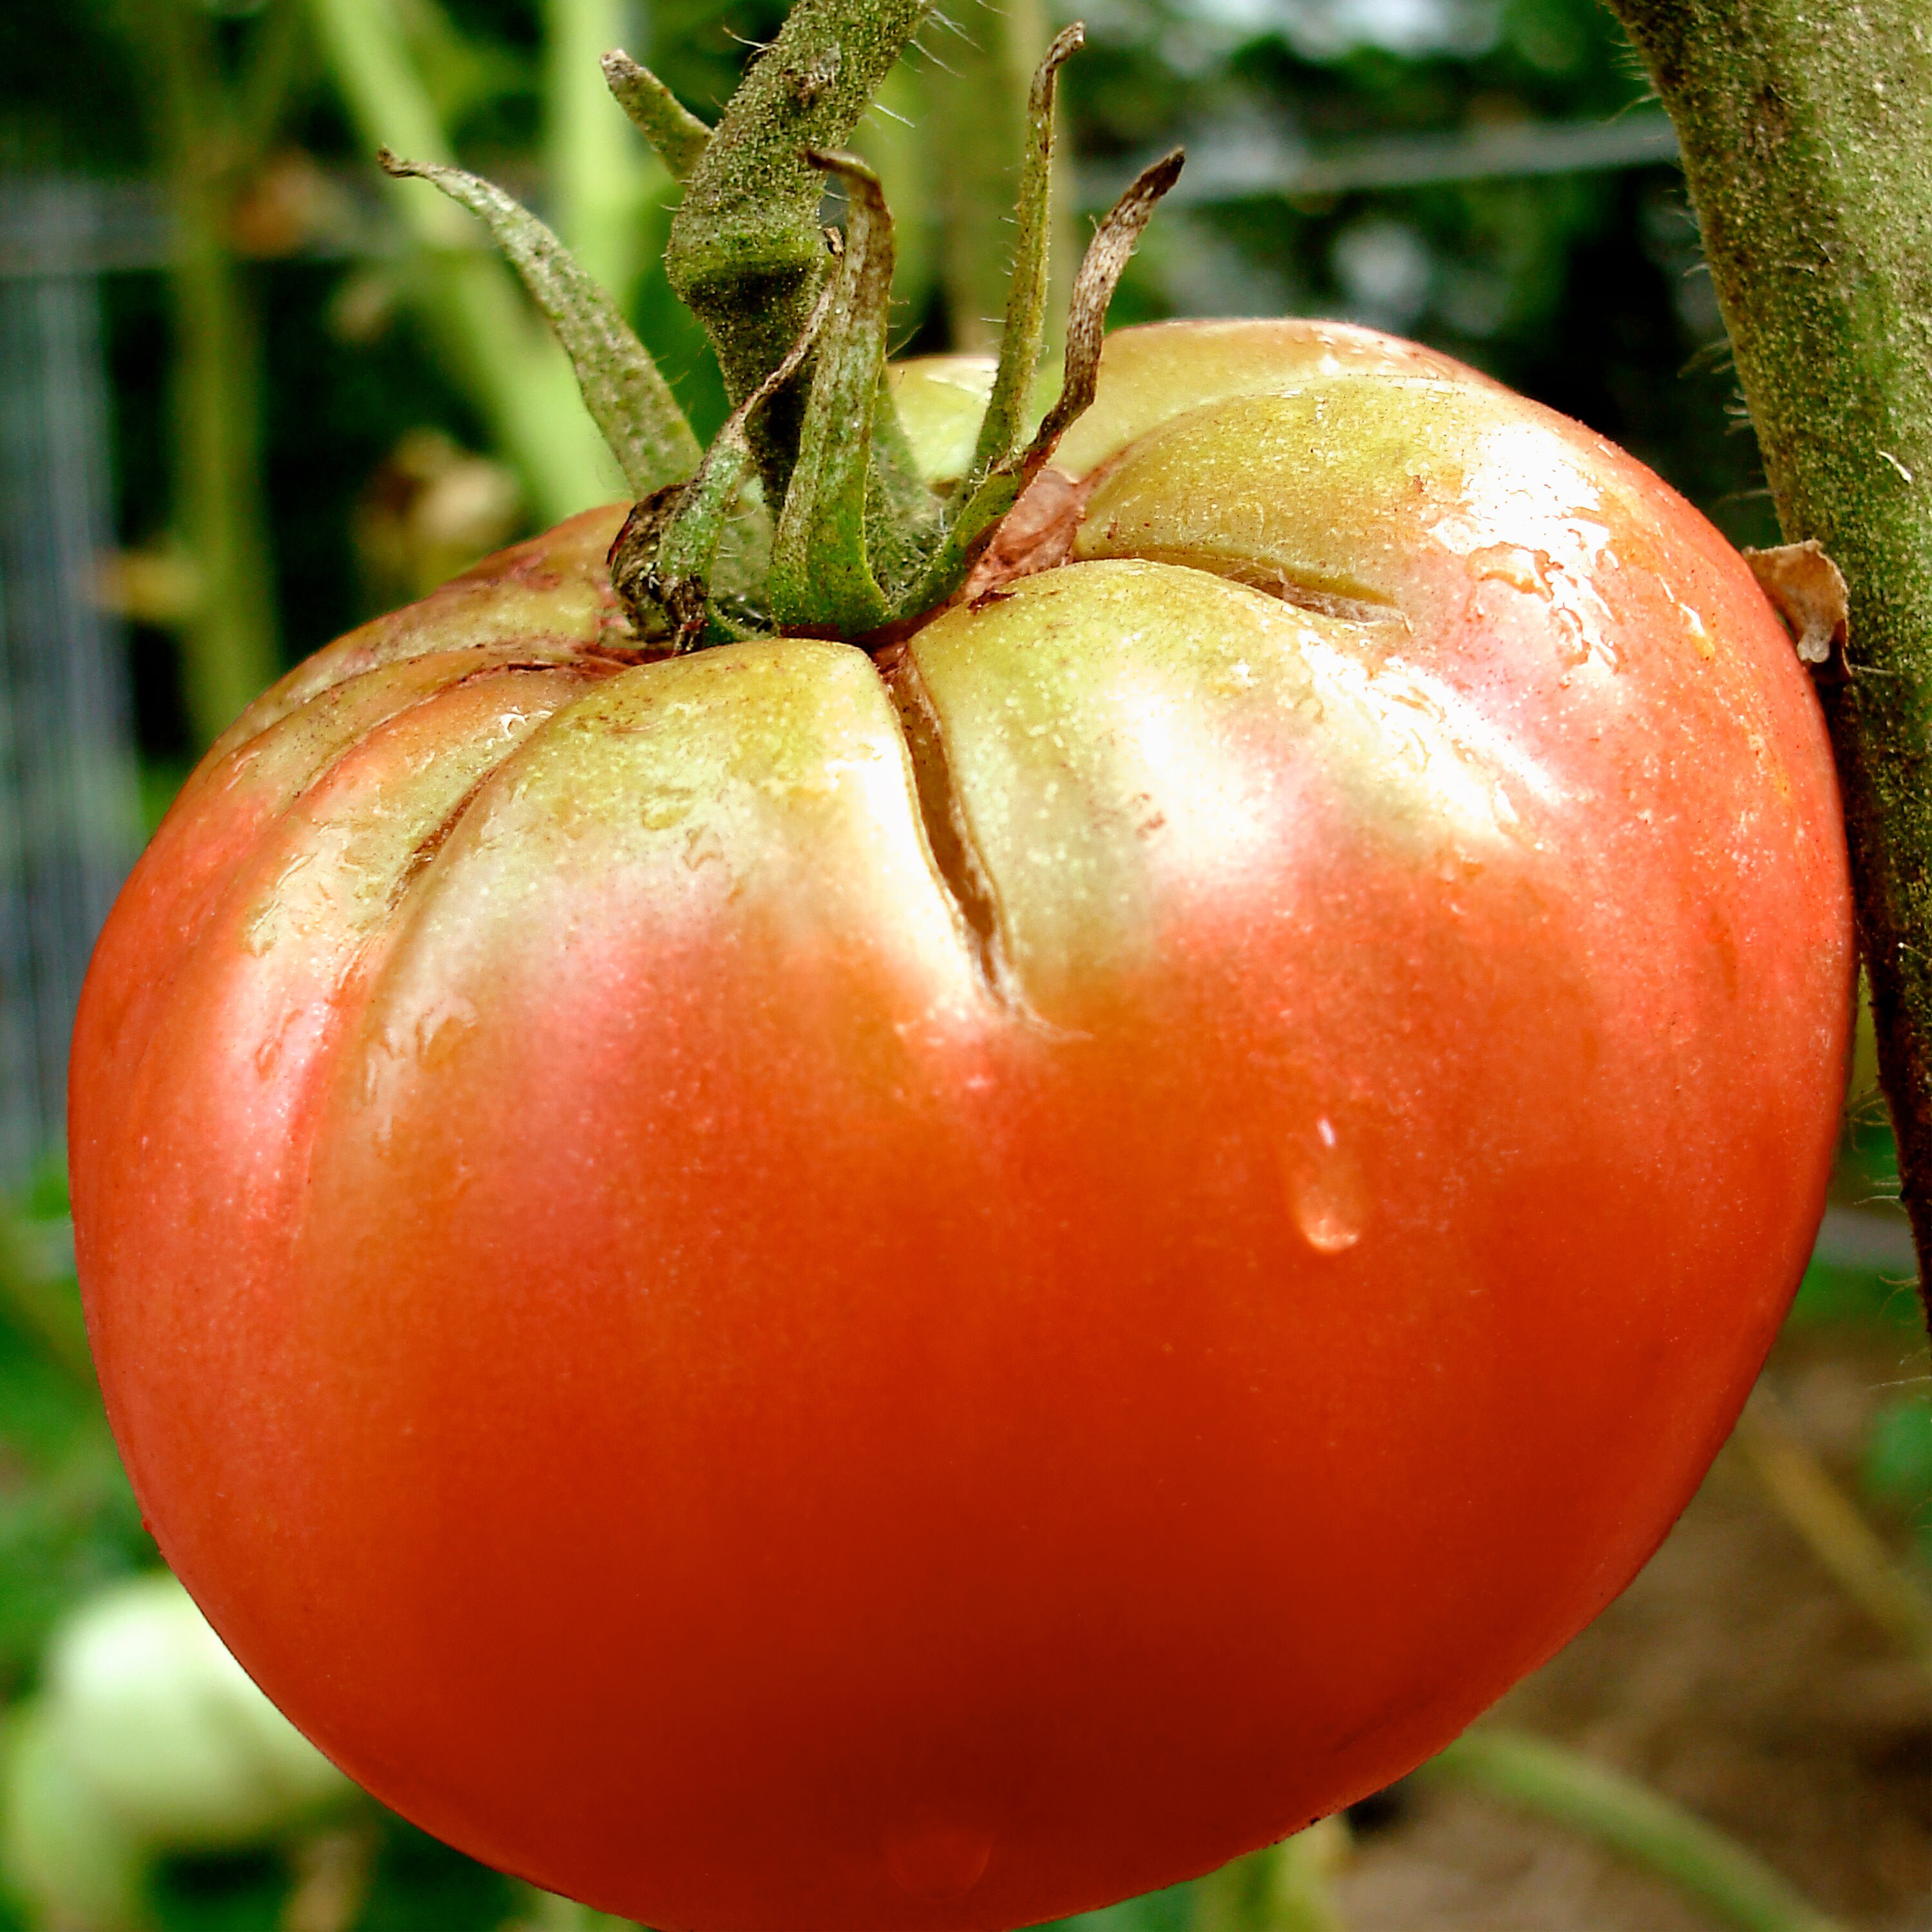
column 780, row 1291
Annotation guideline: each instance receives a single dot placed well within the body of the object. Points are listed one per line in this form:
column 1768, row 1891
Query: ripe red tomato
column 771, row 1332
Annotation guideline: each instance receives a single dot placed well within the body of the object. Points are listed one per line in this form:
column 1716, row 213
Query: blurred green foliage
column 1898, row 1462
column 417, row 1885
column 67, row 1521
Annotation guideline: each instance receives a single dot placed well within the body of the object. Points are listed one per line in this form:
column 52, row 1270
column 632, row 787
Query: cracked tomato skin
column 776, row 1299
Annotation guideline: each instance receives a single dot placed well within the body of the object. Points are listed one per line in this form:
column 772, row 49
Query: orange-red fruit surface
column 786, row 1337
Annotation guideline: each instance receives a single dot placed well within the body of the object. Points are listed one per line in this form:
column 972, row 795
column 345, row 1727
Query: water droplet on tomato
column 937, row 1858
column 1327, row 1193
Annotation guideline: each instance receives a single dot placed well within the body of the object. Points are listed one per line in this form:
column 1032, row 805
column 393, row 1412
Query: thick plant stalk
column 518, row 380
column 229, row 648
column 1806, row 138
column 1554, row 1782
column 746, row 253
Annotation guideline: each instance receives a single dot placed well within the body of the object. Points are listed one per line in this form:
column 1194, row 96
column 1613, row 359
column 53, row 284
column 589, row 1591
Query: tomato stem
column 1809, row 159
column 745, row 254
column 861, row 546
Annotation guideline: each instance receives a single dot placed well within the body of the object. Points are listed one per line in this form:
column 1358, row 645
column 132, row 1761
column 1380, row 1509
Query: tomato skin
column 716, row 1380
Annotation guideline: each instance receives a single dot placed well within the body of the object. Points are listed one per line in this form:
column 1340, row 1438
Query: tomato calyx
column 860, row 548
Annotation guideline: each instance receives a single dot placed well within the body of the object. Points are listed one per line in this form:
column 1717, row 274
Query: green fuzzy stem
column 746, row 254
column 1636, row 1822
column 1806, row 138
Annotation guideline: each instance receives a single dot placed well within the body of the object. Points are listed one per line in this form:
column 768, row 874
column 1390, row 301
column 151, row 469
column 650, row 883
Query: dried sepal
column 679, row 138
column 657, row 610
column 1100, row 270
column 628, row 399
column 1808, row 590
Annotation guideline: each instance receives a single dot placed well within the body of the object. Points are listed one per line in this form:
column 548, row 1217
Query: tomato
column 778, row 1289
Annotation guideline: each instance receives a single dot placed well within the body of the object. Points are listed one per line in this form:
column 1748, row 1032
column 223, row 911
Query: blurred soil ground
column 1735, row 1676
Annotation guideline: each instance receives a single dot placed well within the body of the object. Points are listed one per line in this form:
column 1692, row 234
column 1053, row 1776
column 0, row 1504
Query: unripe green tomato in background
column 147, row 1739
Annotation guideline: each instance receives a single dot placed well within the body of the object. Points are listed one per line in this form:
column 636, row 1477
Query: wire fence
column 69, row 810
